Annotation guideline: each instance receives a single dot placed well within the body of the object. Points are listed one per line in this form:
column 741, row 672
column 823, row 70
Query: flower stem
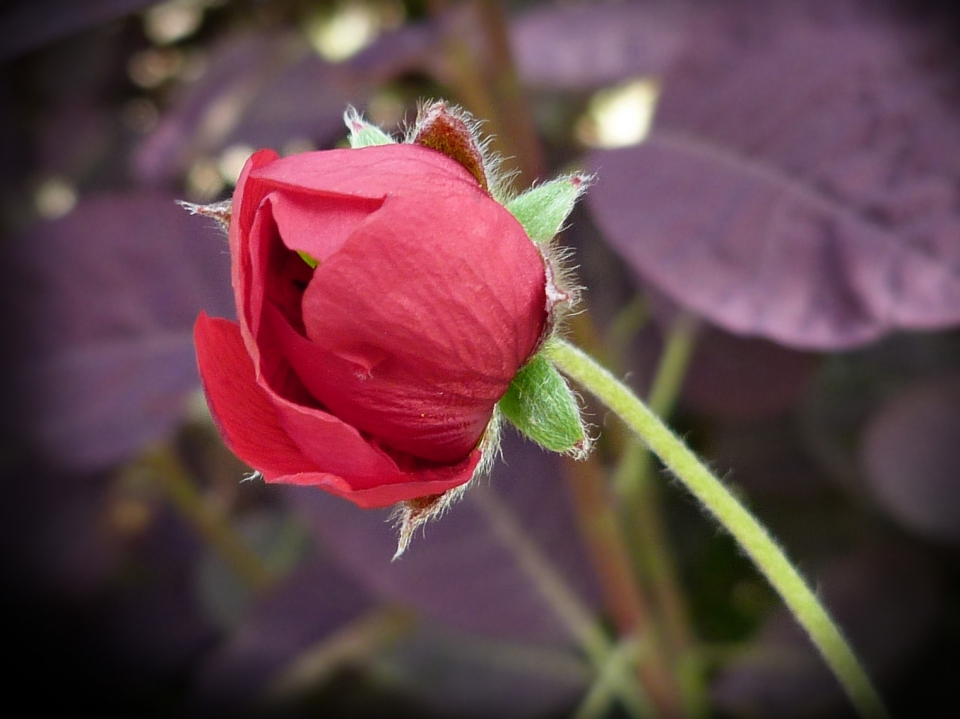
column 749, row 533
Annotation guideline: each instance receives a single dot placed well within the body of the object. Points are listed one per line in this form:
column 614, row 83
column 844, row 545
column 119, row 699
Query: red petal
column 316, row 224
column 246, row 200
column 371, row 172
column 370, row 476
column 428, row 482
column 335, row 457
column 422, row 320
column 243, row 413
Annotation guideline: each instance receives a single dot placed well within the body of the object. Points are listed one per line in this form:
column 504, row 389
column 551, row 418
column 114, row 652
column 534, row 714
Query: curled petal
column 294, row 444
column 246, row 200
column 318, row 225
column 244, row 415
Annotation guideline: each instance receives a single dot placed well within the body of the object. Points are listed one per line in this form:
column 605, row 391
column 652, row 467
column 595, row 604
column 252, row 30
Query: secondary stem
column 626, row 598
column 642, row 512
column 208, row 522
column 749, row 533
column 578, row 619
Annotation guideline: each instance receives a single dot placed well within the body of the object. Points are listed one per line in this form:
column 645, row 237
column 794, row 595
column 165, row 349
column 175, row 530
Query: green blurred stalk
column 643, row 518
column 209, row 522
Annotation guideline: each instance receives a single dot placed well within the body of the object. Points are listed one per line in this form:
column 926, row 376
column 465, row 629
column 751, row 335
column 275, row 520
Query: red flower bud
column 375, row 374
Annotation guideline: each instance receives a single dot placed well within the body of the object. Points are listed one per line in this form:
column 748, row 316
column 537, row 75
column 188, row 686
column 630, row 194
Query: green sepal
column 362, row 133
column 542, row 209
column 541, row 405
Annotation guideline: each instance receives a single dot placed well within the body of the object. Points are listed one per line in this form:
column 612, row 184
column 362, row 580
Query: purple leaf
column 911, row 456
column 260, row 90
column 110, row 293
column 25, row 26
column 800, row 182
column 580, row 47
column 312, row 603
column 744, row 378
column 459, row 571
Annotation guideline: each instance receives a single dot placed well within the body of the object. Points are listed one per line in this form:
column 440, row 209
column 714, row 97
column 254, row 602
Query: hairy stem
column 749, row 533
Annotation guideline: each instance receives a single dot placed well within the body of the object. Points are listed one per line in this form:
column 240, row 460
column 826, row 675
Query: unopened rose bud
column 386, row 304
column 373, row 376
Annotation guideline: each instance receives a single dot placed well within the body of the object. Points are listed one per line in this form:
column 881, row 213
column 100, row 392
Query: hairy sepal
column 411, row 515
column 542, row 406
column 542, row 210
column 363, row 133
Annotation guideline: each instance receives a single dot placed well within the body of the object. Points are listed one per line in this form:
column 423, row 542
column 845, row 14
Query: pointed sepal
column 541, row 405
column 220, row 211
column 411, row 515
column 542, row 210
column 452, row 132
column 363, row 133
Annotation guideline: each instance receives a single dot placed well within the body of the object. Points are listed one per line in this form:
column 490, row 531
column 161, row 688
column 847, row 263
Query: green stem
column 596, row 703
column 626, row 325
column 356, row 641
column 749, row 533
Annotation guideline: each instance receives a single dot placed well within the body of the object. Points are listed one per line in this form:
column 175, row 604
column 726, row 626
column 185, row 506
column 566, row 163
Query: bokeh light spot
column 619, row 116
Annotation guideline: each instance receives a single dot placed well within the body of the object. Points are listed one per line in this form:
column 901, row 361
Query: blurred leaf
column 910, row 451
column 850, row 388
column 799, row 183
column 26, row 26
column 588, row 46
column 459, row 572
column 310, row 604
column 261, row 91
column 109, row 294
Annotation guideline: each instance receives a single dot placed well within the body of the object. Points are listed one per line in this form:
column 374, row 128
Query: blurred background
column 771, row 252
